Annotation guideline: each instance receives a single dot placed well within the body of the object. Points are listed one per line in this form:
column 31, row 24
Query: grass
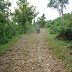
column 6, row 46
column 14, row 39
column 60, row 49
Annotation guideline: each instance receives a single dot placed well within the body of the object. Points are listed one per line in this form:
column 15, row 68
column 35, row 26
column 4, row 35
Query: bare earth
column 31, row 53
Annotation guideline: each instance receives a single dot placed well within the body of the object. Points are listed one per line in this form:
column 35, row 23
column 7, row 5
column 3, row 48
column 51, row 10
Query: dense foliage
column 41, row 20
column 19, row 22
column 56, row 27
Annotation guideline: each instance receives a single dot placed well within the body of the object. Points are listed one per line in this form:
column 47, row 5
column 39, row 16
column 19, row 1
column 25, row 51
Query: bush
column 47, row 25
column 66, row 31
column 4, row 40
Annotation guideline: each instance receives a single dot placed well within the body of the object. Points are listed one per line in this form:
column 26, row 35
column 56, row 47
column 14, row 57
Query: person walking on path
column 38, row 28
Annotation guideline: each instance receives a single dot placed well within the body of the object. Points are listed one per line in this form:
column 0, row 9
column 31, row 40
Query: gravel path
column 30, row 53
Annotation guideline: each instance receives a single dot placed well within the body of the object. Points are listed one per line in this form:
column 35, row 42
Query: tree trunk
column 24, row 30
column 62, row 15
column 59, row 13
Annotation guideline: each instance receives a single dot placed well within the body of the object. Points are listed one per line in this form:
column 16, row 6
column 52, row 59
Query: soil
column 31, row 53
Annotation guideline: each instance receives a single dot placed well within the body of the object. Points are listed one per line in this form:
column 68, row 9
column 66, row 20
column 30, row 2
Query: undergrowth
column 5, row 46
column 60, row 49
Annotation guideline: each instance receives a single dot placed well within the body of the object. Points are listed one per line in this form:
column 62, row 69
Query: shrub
column 66, row 31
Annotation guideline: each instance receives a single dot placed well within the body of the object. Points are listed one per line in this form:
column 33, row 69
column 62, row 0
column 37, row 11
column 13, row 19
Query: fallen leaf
column 31, row 61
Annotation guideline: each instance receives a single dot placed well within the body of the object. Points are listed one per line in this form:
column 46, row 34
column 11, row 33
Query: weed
column 5, row 46
column 59, row 48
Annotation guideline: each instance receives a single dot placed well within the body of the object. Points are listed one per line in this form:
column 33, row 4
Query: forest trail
column 30, row 53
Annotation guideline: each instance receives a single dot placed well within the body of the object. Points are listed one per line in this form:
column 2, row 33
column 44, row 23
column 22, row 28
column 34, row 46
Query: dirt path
column 30, row 53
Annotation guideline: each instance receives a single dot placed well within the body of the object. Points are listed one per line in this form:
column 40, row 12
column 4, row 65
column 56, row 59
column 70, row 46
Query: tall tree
column 4, row 20
column 59, row 5
column 41, row 20
column 62, row 14
column 24, row 14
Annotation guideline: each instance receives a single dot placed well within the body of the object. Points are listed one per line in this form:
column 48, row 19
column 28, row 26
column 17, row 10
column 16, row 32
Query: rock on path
column 30, row 53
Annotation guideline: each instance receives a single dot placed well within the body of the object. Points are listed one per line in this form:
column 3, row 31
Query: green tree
column 4, row 21
column 24, row 14
column 41, row 20
column 19, row 22
column 59, row 5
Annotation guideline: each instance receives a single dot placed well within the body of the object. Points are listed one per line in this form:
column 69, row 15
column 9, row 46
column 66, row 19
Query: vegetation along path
column 31, row 53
